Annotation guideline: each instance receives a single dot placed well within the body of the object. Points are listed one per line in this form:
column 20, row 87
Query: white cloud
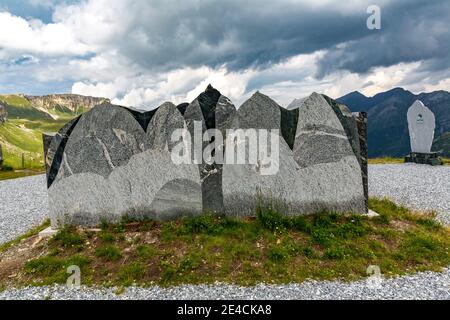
column 142, row 54
column 20, row 36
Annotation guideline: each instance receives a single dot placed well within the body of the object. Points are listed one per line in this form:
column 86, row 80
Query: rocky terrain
column 64, row 102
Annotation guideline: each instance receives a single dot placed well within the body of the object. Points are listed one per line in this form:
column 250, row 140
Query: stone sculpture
column 114, row 161
column 421, row 125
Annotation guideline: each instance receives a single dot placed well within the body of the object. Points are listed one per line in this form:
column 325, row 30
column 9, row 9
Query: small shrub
column 190, row 262
column 200, row 224
column 107, row 237
column 110, row 253
column 104, row 225
column 325, row 220
column 277, row 254
column 419, row 248
column 68, row 237
column 322, row 236
column 44, row 266
column 353, row 229
column 382, row 219
column 131, row 273
column 7, row 168
column 271, row 219
column 299, row 223
column 53, row 269
column 336, row 253
column 146, row 251
column 429, row 224
column 308, row 252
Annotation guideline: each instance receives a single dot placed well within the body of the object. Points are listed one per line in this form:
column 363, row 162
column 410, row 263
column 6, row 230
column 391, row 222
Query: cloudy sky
column 145, row 52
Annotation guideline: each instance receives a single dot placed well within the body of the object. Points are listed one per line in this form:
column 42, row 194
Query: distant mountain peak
column 354, row 94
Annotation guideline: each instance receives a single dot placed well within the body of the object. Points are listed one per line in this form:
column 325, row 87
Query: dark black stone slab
column 361, row 122
column 142, row 117
column 55, row 150
column 289, row 120
column 182, row 107
column 424, row 158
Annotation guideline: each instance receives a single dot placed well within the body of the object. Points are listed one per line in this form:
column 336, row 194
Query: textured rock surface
column 131, row 189
column 115, row 161
column 165, row 121
column 210, row 110
column 123, row 170
column 361, row 122
column 349, row 123
column 62, row 102
column 104, row 138
column 259, row 112
column 323, row 148
column 421, row 125
column 244, row 187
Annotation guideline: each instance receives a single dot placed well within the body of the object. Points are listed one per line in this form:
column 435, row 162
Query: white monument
column 421, row 125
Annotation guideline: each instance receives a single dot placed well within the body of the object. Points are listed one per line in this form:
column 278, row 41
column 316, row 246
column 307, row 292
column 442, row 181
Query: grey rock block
column 259, row 112
column 319, row 128
column 323, row 150
column 137, row 189
column 104, row 138
column 115, row 161
column 421, row 125
column 165, row 121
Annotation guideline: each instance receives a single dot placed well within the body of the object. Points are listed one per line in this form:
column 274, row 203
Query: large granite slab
column 115, row 161
column 319, row 172
column 123, row 170
column 323, row 149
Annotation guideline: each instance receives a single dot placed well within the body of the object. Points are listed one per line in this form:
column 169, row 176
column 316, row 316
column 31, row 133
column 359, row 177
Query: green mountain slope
column 26, row 120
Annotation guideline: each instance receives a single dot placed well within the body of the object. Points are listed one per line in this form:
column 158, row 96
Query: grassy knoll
column 269, row 248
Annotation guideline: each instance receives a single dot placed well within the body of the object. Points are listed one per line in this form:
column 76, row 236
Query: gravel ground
column 416, row 186
column 425, row 285
column 24, row 204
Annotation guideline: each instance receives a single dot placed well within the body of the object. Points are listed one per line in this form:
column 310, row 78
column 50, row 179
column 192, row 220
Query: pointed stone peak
column 258, row 96
column 210, row 88
column 167, row 104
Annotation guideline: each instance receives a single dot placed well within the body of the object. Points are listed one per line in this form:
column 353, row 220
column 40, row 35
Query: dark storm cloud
column 167, row 35
column 411, row 31
column 240, row 34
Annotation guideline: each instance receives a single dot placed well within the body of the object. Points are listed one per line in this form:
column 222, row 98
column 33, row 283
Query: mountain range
column 24, row 118
column 387, row 126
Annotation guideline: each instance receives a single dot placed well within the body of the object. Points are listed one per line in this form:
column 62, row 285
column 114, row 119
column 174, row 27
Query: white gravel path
column 425, row 285
column 24, row 204
column 414, row 185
